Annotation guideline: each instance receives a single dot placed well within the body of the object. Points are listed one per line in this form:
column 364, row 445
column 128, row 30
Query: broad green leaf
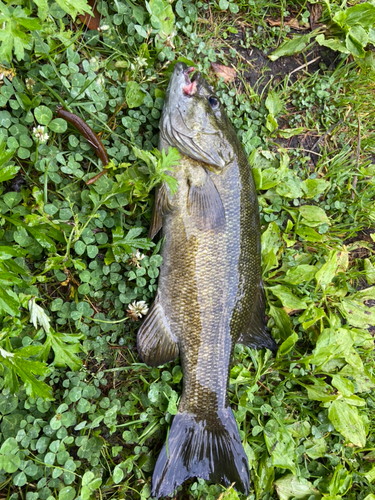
column 162, row 17
column 315, row 448
column 266, row 178
column 318, row 390
column 313, row 215
column 280, row 445
column 327, row 272
column 290, row 486
column 8, row 172
column 9, row 252
column 273, row 103
column 282, row 321
column 311, row 316
column 287, row 345
column 357, row 313
column 300, row 274
column 309, row 234
column 341, row 481
column 290, row 47
column 271, row 243
column 331, row 344
column 287, row 133
column 347, row 421
column 290, row 186
column 134, row 94
column 287, row 297
column 343, row 385
column 356, row 39
column 332, row 43
column 362, row 379
column 42, row 8
column 314, row 187
column 361, row 14
column 265, row 475
column 74, row 7
column 369, row 271
column 8, row 302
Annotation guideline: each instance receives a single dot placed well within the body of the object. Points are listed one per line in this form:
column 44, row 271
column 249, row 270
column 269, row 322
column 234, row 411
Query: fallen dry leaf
column 315, row 13
column 229, row 74
column 91, row 22
column 293, row 23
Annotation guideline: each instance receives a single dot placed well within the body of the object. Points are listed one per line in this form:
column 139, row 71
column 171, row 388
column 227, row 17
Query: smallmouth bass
column 210, row 292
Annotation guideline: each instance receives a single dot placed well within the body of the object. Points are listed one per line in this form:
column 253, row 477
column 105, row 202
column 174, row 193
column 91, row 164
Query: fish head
column 194, row 120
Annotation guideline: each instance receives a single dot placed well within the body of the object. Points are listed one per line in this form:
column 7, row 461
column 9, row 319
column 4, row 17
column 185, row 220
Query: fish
column 210, row 294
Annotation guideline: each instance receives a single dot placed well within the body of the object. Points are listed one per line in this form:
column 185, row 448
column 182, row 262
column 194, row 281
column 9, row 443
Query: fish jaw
column 190, row 123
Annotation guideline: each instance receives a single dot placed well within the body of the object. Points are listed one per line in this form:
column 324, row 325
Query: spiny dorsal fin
column 205, row 205
column 257, row 335
column 156, row 343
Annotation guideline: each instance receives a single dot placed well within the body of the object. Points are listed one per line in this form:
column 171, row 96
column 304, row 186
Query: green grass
column 81, row 417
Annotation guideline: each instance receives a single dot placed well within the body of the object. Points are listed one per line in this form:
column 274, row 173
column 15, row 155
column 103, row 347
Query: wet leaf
column 290, row 47
column 225, row 72
column 347, row 421
column 328, row 270
column 313, row 215
column 314, row 187
column 287, row 297
column 291, row 486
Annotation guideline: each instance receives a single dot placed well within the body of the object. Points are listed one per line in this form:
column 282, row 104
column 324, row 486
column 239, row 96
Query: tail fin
column 210, row 449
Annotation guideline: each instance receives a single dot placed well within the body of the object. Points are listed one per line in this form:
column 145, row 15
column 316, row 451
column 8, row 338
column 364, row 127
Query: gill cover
column 194, row 121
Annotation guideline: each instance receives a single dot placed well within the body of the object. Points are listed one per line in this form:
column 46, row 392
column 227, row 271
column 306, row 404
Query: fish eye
column 214, row 102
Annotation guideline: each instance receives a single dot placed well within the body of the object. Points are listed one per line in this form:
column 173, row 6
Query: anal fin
column 257, row 335
column 156, row 343
column 205, row 205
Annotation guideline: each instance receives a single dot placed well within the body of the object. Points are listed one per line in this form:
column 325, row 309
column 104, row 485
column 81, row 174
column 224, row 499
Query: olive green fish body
column 210, row 294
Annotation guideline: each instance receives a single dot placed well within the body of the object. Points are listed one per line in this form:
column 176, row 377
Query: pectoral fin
column 205, row 205
column 156, row 343
column 257, row 335
column 162, row 206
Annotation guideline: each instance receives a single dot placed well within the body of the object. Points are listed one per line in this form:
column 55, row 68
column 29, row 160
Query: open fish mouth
column 191, row 83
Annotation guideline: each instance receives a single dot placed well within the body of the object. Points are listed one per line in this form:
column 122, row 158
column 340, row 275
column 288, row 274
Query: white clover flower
column 136, row 258
column 105, row 27
column 29, row 83
column 137, row 309
column 39, row 134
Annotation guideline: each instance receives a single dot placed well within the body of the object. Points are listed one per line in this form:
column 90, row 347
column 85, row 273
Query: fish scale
column 210, row 292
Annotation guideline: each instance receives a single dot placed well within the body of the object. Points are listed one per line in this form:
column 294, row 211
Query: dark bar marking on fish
column 89, row 135
column 257, row 335
column 155, row 342
column 210, row 449
column 205, row 205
